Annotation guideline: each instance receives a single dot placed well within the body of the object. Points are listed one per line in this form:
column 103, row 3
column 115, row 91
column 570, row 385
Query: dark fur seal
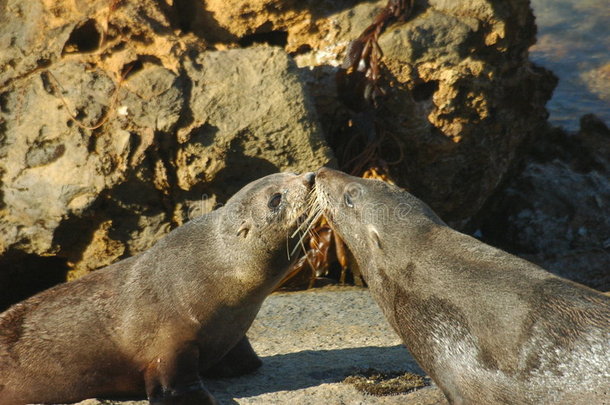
column 488, row 327
column 155, row 323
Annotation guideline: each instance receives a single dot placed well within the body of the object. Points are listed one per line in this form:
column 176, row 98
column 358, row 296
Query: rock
column 598, row 81
column 120, row 120
column 250, row 107
column 474, row 98
column 462, row 93
column 305, row 360
column 555, row 211
column 464, row 98
column 35, row 35
column 301, row 26
column 97, row 163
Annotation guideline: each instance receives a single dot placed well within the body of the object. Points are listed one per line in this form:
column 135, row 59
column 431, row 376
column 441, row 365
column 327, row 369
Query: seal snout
column 323, row 172
column 328, row 173
column 310, row 178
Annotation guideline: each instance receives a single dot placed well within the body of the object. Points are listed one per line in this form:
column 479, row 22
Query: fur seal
column 155, row 323
column 487, row 326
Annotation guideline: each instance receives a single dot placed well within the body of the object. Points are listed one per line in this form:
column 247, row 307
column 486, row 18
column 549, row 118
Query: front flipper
column 240, row 360
column 174, row 379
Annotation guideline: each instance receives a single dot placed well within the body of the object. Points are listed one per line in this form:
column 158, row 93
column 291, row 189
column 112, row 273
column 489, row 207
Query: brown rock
column 555, row 210
column 463, row 94
column 115, row 121
column 128, row 130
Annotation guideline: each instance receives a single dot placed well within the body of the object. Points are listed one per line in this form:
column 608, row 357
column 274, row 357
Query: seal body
column 155, row 323
column 487, row 326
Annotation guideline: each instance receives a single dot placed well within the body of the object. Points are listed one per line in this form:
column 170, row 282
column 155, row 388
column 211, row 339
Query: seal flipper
column 240, row 360
column 174, row 379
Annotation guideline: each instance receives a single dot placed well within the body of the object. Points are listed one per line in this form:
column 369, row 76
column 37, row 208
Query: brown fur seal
column 488, row 327
column 156, row 322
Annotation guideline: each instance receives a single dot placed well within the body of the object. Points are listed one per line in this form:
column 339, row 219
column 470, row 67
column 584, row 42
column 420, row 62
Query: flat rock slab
column 310, row 342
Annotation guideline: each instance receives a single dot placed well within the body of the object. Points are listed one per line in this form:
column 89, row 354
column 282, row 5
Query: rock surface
column 475, row 98
column 96, row 167
column 555, row 211
column 120, row 120
column 462, row 92
column 309, row 343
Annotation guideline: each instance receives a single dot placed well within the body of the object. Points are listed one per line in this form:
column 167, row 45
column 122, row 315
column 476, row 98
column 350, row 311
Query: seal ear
column 244, row 229
column 374, row 235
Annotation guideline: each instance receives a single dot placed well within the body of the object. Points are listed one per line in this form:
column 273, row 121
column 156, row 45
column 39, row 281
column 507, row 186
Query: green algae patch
column 374, row 382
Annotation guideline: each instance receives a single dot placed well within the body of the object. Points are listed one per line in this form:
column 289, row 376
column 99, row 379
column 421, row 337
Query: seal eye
column 275, row 200
column 348, row 200
column 351, row 193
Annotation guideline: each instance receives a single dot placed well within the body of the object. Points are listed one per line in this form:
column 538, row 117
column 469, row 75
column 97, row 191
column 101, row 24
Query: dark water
column 574, row 42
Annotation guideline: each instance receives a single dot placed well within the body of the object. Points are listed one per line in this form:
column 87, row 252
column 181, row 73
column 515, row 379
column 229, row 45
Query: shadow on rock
column 309, row 368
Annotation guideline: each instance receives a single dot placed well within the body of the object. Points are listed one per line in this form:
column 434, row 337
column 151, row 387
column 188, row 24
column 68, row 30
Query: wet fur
column 489, row 328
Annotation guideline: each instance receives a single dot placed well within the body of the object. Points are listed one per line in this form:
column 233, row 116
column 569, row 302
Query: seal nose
column 310, row 178
column 325, row 172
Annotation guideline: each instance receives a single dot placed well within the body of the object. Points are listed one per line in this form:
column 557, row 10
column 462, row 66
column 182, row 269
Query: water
column 574, row 42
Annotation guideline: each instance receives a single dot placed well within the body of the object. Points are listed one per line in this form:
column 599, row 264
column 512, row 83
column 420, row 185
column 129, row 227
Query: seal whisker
column 300, row 243
column 303, row 218
column 311, row 221
column 307, row 221
column 287, row 246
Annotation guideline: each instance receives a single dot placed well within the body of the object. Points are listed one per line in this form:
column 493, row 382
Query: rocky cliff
column 120, row 120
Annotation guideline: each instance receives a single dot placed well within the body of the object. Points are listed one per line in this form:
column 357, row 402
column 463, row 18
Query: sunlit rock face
column 121, row 120
column 116, row 127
